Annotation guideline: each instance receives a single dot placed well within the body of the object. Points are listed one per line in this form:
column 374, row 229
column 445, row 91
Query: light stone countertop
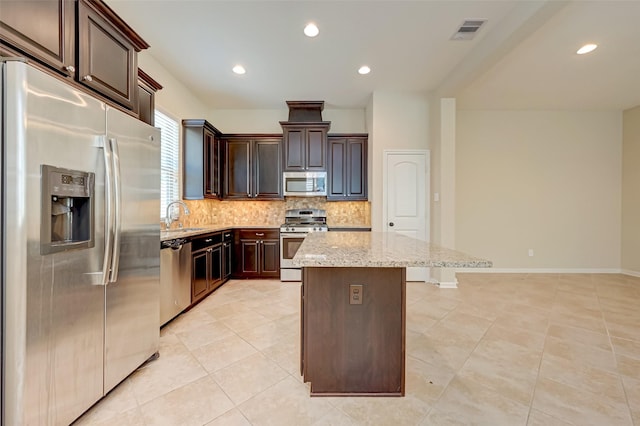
column 378, row 249
column 333, row 226
column 206, row 229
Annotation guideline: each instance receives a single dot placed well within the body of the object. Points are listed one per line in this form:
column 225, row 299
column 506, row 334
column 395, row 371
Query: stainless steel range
column 297, row 224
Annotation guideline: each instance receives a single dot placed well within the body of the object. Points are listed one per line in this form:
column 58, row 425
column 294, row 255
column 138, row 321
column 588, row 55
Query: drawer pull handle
column 259, row 234
column 208, row 240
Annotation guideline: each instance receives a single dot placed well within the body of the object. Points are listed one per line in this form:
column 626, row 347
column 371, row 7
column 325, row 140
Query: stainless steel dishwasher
column 175, row 278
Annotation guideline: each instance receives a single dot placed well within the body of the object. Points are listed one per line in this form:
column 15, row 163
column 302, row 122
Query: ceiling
column 522, row 58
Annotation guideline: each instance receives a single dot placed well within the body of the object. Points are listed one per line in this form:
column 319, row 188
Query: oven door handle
column 294, row 235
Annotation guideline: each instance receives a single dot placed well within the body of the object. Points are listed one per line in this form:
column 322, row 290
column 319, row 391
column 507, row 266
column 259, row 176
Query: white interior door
column 406, row 195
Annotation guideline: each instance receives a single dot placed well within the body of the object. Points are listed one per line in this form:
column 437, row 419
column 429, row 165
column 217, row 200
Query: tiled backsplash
column 271, row 213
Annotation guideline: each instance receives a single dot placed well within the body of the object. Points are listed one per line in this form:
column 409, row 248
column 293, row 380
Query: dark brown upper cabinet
column 252, row 167
column 44, row 30
column 107, row 58
column 83, row 39
column 201, row 154
column 305, row 146
column 304, row 137
column 347, row 167
column 147, row 88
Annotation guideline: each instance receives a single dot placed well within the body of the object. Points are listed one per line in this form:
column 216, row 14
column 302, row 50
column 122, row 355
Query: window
column 170, row 160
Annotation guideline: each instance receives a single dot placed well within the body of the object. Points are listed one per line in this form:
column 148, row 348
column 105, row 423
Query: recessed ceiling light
column 311, row 30
column 239, row 69
column 586, row 49
column 364, row 70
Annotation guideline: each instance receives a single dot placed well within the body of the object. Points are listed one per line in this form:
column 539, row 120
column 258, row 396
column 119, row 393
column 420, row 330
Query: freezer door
column 54, row 303
column 132, row 330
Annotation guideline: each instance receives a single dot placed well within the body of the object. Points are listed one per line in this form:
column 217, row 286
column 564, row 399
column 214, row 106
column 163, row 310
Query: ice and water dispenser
column 67, row 209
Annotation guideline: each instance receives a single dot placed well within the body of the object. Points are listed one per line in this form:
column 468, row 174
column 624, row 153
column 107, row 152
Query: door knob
column 390, row 223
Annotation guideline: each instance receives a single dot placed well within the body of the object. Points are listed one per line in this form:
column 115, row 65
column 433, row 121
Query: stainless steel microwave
column 305, row 184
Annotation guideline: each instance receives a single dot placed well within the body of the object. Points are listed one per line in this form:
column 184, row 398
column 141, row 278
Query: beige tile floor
column 502, row 349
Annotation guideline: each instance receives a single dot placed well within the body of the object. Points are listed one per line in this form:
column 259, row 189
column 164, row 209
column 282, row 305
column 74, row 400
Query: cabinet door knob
column 70, row 69
column 391, row 223
column 87, row 78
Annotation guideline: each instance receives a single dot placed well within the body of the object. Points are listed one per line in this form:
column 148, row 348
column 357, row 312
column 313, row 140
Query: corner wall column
column 446, row 277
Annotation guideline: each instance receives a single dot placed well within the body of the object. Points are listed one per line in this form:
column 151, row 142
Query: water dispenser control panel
column 67, row 209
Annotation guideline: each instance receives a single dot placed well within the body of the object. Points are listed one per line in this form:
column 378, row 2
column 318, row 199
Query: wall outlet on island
column 355, row 294
column 530, row 252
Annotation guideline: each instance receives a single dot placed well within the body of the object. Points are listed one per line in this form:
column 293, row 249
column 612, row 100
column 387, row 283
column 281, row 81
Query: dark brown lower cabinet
column 227, row 254
column 208, row 263
column 199, row 275
column 353, row 349
column 257, row 253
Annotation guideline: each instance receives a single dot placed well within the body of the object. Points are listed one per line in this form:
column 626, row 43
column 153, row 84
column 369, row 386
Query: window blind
column 170, row 160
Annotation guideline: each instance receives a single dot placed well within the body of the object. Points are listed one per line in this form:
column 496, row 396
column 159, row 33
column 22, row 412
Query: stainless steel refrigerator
column 80, row 247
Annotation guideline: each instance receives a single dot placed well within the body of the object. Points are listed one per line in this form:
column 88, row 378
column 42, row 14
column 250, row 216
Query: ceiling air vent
column 468, row 29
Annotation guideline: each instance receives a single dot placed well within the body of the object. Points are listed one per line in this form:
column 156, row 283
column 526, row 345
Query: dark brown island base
column 353, row 308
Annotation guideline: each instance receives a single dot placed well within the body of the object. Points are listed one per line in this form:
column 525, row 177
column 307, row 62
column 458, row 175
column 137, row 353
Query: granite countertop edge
column 379, row 250
column 364, row 263
column 196, row 231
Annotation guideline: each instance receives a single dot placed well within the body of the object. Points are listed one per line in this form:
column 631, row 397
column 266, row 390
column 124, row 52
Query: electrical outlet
column 530, row 252
column 355, row 294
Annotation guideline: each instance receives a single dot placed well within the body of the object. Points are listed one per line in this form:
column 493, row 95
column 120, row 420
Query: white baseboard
column 543, row 270
column 631, row 273
column 448, row 282
column 444, row 284
column 444, row 277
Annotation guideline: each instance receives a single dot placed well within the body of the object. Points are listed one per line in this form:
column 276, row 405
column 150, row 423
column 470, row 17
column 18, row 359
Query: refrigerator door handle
column 117, row 217
column 109, row 214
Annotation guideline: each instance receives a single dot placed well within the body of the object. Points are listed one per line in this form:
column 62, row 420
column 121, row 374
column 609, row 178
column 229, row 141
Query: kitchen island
column 353, row 308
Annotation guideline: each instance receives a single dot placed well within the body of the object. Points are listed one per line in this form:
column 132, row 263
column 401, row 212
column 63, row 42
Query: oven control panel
column 304, row 229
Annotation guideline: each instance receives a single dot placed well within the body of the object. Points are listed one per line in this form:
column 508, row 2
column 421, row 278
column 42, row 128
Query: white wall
column 268, row 120
column 395, row 120
column 435, row 147
column 631, row 192
column 174, row 98
column 180, row 102
column 545, row 180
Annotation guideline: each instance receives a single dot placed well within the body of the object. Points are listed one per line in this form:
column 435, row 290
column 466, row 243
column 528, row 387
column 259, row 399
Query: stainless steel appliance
column 305, row 184
column 80, row 247
column 297, row 224
column 175, row 281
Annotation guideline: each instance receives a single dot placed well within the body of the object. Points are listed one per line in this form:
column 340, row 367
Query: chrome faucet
column 168, row 220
